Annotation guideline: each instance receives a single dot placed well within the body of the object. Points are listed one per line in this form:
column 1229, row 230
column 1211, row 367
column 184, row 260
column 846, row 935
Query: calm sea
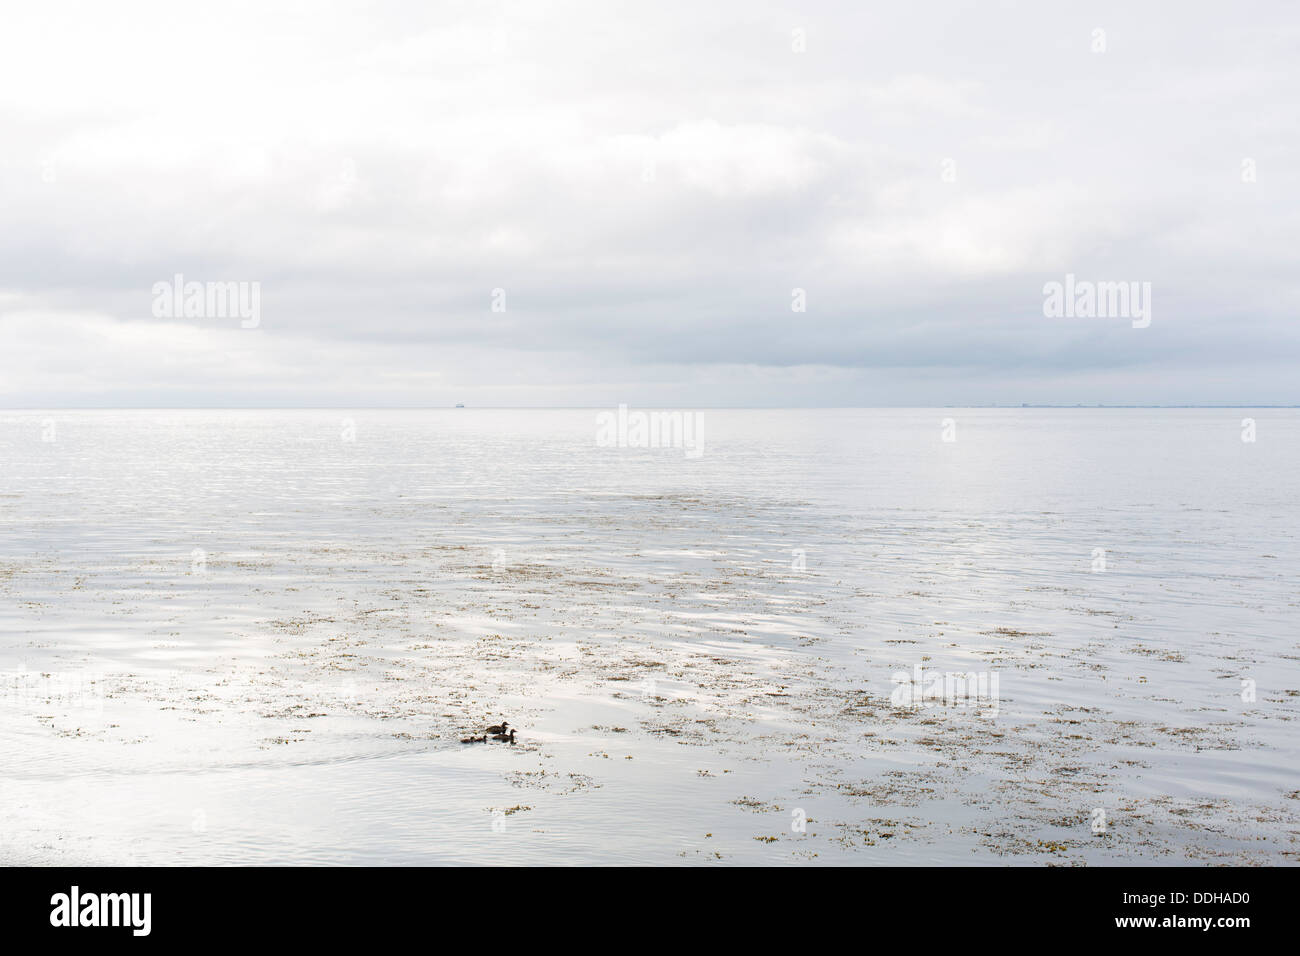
column 821, row 636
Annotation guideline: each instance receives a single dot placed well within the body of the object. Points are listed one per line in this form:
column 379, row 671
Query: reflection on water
column 259, row 636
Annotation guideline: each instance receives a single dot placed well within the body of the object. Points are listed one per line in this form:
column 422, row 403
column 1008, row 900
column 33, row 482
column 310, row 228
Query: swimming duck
column 499, row 728
column 475, row 740
column 508, row 738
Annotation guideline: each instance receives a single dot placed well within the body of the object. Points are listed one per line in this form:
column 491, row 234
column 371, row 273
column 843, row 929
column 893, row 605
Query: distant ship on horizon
column 460, row 404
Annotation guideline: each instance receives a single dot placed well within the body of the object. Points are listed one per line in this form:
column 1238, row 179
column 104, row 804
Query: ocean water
column 259, row 636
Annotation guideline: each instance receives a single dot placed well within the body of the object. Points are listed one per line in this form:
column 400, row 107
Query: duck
column 474, row 740
column 499, row 728
column 508, row 738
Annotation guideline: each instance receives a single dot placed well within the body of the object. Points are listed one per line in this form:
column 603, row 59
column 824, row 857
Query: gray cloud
column 648, row 190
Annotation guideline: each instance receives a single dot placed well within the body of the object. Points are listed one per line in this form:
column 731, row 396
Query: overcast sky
column 648, row 183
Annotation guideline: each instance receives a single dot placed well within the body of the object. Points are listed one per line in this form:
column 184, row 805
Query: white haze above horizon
column 647, row 187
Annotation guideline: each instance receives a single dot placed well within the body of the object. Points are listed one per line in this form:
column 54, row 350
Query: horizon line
column 606, row 407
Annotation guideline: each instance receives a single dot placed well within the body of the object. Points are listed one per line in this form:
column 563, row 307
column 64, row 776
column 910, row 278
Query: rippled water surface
column 258, row 637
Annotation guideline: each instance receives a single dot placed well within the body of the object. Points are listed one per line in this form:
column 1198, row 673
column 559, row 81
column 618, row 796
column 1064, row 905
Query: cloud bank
column 674, row 204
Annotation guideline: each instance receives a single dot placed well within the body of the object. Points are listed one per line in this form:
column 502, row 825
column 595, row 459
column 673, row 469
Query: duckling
column 499, row 728
column 508, row 738
column 474, row 740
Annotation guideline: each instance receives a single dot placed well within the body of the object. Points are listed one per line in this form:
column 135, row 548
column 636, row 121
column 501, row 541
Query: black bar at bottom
column 336, row 906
